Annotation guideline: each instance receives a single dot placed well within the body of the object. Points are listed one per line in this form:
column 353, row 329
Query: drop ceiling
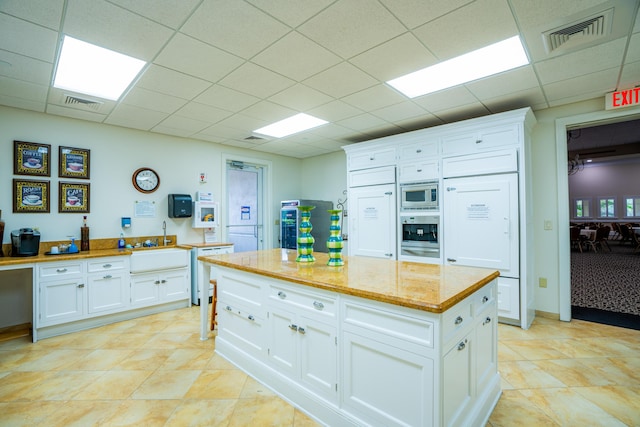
column 220, row 69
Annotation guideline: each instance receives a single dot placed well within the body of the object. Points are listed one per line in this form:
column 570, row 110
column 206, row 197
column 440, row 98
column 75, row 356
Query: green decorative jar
column 305, row 239
column 335, row 243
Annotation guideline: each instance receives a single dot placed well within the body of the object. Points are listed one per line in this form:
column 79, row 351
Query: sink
column 158, row 259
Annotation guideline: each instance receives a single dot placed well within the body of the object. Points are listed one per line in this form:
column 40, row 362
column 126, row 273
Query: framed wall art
column 30, row 158
column 73, row 197
column 30, row 196
column 74, row 162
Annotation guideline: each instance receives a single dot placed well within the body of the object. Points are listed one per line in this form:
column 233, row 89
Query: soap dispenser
column 121, row 241
column 73, row 249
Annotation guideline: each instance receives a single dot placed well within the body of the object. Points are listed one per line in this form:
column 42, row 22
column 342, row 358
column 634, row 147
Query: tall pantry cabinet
column 482, row 166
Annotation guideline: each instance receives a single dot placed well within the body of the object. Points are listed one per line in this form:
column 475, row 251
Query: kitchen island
column 375, row 342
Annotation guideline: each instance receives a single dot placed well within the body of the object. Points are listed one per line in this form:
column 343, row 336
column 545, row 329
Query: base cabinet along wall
column 386, row 365
column 108, row 284
column 61, row 292
column 159, row 287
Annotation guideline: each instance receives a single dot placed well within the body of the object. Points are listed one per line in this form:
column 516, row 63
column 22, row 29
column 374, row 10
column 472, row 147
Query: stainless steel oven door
column 420, row 249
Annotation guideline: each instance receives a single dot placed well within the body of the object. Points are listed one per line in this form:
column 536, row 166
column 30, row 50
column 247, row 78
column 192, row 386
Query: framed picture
column 73, row 197
column 74, row 163
column 30, row 158
column 30, row 196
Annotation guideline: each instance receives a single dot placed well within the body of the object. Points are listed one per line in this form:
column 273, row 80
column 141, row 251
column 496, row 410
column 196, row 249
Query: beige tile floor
column 155, row 371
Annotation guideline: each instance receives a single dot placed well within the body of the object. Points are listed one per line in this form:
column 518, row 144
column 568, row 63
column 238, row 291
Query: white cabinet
column 372, row 221
column 379, row 156
column 457, row 381
column 108, row 284
column 419, row 161
column 160, row 287
column 485, row 138
column 61, row 295
column 197, row 271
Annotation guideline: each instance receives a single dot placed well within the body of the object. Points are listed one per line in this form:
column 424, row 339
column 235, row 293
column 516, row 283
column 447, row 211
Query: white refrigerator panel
column 481, row 222
column 372, row 231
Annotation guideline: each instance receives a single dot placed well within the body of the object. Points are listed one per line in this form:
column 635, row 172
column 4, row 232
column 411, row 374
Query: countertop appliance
column 290, row 222
column 420, row 236
column 25, row 242
column 419, row 195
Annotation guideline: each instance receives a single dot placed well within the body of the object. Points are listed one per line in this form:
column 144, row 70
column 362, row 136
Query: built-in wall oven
column 420, row 235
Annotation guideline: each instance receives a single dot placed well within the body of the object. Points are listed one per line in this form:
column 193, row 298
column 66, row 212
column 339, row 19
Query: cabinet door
column 318, row 357
column 372, row 221
column 387, row 385
column 145, row 289
column 174, row 285
column 486, row 349
column 457, row 382
column 61, row 301
column 283, row 343
column 108, row 292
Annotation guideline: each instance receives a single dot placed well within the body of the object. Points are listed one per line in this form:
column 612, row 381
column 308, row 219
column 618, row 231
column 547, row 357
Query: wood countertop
column 428, row 287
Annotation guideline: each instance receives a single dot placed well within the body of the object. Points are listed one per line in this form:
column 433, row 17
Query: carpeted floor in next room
column 605, row 285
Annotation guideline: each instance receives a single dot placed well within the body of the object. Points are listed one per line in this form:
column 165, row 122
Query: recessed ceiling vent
column 578, row 34
column 254, row 138
column 81, row 103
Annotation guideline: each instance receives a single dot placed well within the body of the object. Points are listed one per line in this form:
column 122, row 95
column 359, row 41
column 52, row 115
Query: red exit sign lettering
column 622, row 98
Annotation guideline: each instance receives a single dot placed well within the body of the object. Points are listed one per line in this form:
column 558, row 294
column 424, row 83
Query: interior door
column 481, row 223
column 244, row 204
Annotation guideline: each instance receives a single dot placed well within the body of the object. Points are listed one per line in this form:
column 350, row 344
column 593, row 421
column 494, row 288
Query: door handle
column 301, row 330
column 293, row 327
column 506, row 226
column 451, row 260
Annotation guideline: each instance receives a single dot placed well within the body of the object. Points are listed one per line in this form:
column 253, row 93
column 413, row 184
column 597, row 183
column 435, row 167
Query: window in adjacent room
column 582, row 208
column 632, row 206
column 607, row 207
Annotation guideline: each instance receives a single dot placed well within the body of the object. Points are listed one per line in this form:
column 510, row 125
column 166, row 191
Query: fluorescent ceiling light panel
column 293, row 124
column 92, row 70
column 489, row 60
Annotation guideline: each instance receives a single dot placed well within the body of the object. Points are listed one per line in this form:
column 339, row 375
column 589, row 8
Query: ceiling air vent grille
column 75, row 101
column 578, row 34
column 253, row 138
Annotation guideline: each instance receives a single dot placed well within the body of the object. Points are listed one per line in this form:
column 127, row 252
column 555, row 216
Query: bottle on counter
column 1, row 233
column 121, row 243
column 84, row 235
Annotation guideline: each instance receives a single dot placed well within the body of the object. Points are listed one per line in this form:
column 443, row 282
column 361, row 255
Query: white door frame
column 267, row 196
column 564, row 246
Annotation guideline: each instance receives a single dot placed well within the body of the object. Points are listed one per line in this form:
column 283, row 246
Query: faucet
column 164, row 229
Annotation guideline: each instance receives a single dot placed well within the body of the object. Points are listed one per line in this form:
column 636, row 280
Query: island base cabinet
column 243, row 329
column 387, row 385
column 457, row 377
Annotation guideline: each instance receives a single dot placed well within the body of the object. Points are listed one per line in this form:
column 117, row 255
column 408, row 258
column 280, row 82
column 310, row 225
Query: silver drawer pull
column 418, row 151
column 282, row 295
column 485, row 299
column 61, row 270
column 459, row 320
column 228, row 308
column 478, row 141
column 250, row 317
column 157, row 282
column 301, row 330
column 451, row 260
column 487, row 320
column 293, row 327
column 108, row 276
column 462, row 345
column 81, row 285
column 163, row 281
column 318, row 305
column 106, row 266
column 419, row 170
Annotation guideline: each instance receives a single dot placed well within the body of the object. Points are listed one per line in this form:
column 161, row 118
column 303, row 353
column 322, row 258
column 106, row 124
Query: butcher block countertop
column 428, row 287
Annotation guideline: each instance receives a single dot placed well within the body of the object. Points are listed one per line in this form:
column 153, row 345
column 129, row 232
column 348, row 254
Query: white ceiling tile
column 25, row 68
column 268, row 111
column 485, row 22
column 465, row 112
column 243, row 123
column 416, row 12
column 171, row 82
column 152, row 100
column 419, row 122
column 333, row 131
column 335, row 111
column 223, row 132
column 399, row 112
column 533, row 98
column 446, row 99
column 171, row 13
column 167, row 130
column 184, row 123
column 374, row 97
column 226, row 98
column 504, row 83
column 362, row 122
column 581, row 87
column 24, row 104
column 253, row 79
column 341, row 80
column 112, row 27
column 630, row 76
column 291, row 12
column 397, row 57
column 543, row 13
column 42, row 12
column 75, row 114
column 300, row 97
column 348, row 28
column 633, row 51
column 135, row 117
column 304, row 57
column 236, row 27
column 21, row 89
column 582, row 62
column 27, row 39
column 193, row 57
column 204, row 113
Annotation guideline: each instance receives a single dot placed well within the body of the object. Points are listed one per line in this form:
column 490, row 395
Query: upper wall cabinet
column 419, row 161
column 373, row 157
column 481, row 139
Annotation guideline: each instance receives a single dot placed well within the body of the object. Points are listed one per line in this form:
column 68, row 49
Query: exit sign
column 622, row 98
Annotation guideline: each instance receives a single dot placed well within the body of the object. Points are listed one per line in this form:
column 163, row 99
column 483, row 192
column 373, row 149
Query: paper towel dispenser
column 180, row 206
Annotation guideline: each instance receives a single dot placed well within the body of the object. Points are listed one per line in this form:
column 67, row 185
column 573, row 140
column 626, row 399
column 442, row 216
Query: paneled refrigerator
column 290, row 221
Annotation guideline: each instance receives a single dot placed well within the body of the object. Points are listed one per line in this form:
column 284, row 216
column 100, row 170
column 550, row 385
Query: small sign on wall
column 245, row 213
column 622, row 98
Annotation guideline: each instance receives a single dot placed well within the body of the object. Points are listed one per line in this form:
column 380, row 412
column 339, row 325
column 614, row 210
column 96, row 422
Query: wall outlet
column 548, row 225
column 542, row 282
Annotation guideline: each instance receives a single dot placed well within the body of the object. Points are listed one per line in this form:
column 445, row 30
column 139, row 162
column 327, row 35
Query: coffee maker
column 25, row 242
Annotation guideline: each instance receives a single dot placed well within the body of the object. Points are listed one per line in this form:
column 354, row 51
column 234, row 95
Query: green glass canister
column 335, row 243
column 305, row 239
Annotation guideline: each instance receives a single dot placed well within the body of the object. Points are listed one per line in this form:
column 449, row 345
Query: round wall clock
column 146, row 180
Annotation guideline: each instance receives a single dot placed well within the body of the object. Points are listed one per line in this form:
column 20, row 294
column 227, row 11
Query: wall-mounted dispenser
column 180, row 206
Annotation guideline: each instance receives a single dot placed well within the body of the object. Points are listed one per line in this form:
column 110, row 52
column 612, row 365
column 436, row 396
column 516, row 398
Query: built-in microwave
column 419, row 195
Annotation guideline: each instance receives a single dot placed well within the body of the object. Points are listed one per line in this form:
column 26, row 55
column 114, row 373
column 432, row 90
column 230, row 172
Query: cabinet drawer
column 238, row 290
column 420, row 171
column 60, row 269
column 107, row 264
column 372, row 158
column 311, row 302
column 500, row 161
column 484, row 298
column 376, row 176
column 490, row 138
column 417, row 151
column 457, row 319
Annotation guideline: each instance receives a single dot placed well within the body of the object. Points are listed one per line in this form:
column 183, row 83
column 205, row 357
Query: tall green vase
column 305, row 239
column 335, row 243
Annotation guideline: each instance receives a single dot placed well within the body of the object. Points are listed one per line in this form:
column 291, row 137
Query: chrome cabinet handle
column 485, row 299
column 293, row 327
column 451, row 260
column 157, row 282
column 462, row 345
column 163, row 281
column 250, row 317
column 478, row 141
column 418, row 150
column 318, row 305
column 228, row 308
column 487, row 320
column 61, row 270
column 106, row 266
column 301, row 330
column 81, row 285
column 282, row 295
column 459, row 320
column 419, row 170
column 108, row 276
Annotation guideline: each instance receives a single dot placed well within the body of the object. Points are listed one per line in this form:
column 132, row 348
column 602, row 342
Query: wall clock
column 146, row 180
